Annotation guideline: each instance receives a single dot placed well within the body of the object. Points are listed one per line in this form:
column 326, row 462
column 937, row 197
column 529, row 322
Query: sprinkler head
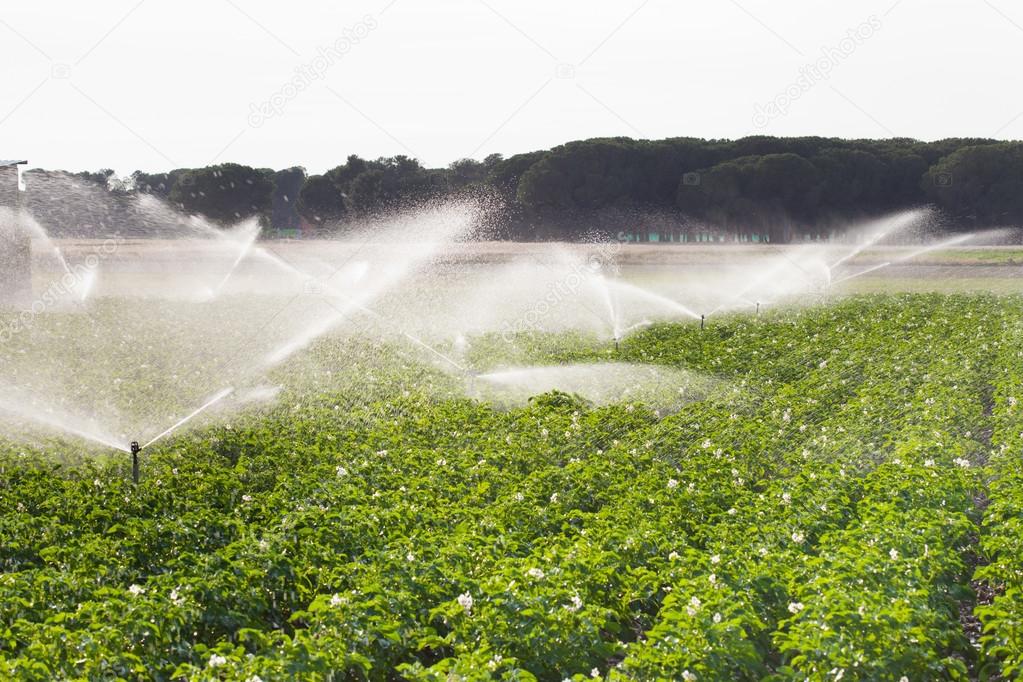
column 703, row 319
column 135, row 450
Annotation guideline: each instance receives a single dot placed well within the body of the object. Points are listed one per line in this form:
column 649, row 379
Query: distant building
column 15, row 244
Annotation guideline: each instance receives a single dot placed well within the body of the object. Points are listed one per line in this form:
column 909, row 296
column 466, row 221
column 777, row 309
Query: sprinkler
column 758, row 308
column 703, row 319
column 617, row 344
column 135, row 450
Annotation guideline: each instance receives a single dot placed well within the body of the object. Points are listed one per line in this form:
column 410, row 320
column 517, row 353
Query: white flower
column 441, row 462
column 706, row 443
column 797, row 536
column 535, row 573
column 731, row 511
column 795, row 607
column 216, row 660
column 176, row 597
column 715, row 559
column 254, row 678
column 928, row 462
column 894, row 554
column 672, row 483
column 964, row 463
column 576, row 604
column 688, row 676
column 246, row 498
column 136, row 590
column 595, row 673
column 336, row 600
column 519, row 497
column 341, row 471
column 903, row 679
column 410, row 557
column 717, row 617
column 786, row 498
column 674, row 556
column 466, row 602
column 694, row 606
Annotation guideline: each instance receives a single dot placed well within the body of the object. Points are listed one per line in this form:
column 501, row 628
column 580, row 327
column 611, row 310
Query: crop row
column 813, row 519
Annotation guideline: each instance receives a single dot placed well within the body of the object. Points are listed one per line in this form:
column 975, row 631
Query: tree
column 320, row 200
column 979, row 184
column 284, row 199
column 226, row 193
column 852, row 180
column 157, row 184
column 466, row 172
column 762, row 192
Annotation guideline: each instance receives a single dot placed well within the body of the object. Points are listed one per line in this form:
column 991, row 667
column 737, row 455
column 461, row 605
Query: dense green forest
column 779, row 188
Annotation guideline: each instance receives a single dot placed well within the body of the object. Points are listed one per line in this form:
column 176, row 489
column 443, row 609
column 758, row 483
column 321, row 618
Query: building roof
column 5, row 162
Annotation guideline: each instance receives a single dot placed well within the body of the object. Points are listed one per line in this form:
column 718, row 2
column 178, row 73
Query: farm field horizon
column 673, row 269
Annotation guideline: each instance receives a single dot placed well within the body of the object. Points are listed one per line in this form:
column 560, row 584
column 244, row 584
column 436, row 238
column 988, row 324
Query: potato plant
column 846, row 505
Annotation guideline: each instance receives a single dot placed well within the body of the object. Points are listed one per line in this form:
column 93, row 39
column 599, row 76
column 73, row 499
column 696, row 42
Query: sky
column 161, row 84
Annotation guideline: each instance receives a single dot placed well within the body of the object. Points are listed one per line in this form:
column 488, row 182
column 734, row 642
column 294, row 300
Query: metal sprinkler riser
column 135, row 450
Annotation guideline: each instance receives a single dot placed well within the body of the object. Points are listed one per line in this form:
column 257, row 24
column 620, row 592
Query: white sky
column 159, row 84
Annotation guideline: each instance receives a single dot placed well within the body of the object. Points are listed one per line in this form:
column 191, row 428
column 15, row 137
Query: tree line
column 778, row 187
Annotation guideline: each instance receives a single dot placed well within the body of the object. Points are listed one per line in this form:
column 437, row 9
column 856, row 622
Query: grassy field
column 845, row 503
